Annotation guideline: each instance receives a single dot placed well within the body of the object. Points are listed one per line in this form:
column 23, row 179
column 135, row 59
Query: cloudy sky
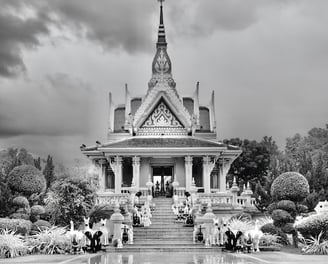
column 266, row 60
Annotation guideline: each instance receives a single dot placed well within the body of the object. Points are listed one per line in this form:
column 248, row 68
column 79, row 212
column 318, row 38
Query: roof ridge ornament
column 161, row 66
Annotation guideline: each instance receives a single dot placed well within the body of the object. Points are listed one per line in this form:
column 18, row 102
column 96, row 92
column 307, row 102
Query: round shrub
column 286, row 205
column 21, row 226
column 21, row 201
column 290, row 186
column 313, row 225
column 37, row 210
column 271, row 207
column 20, row 216
column 301, row 208
column 40, row 225
column 281, row 217
column 26, row 179
column 288, row 228
column 271, row 229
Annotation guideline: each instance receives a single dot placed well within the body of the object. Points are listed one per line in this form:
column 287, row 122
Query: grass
column 11, row 245
column 50, row 241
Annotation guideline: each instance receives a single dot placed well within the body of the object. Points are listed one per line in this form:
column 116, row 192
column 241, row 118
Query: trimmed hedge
column 26, row 179
column 286, row 205
column 271, row 207
column 301, row 208
column 271, row 229
column 38, row 210
column 21, row 201
column 40, row 225
column 281, row 217
column 21, row 226
column 313, row 225
column 18, row 215
column 290, row 186
column 288, row 228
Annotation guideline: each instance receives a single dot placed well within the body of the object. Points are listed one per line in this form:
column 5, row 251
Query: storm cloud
column 266, row 60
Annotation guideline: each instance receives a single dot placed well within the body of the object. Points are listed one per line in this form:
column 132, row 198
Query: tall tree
column 48, row 171
column 37, row 163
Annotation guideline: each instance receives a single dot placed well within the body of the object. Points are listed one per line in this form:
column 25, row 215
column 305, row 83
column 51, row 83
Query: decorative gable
column 162, row 121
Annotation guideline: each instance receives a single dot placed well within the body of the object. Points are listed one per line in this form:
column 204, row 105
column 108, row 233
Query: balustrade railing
column 215, row 198
column 112, row 198
column 180, row 191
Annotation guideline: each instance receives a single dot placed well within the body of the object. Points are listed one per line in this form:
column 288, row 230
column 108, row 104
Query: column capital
column 136, row 160
column 188, row 159
column 206, row 159
column 102, row 161
column 118, row 159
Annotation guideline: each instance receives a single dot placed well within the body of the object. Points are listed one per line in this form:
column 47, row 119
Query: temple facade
column 161, row 143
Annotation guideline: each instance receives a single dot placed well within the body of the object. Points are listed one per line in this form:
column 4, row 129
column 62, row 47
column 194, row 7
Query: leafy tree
column 48, row 171
column 70, row 198
column 24, row 158
column 8, row 160
column 27, row 180
column 254, row 162
column 309, row 156
column 37, row 163
column 5, row 195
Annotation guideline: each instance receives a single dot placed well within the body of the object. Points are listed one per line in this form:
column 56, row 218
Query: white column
column 101, row 173
column 136, row 172
column 117, row 169
column 206, row 174
column 208, row 166
column 188, row 172
column 224, row 169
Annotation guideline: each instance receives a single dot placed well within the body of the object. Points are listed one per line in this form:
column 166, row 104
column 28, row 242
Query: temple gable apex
column 162, row 116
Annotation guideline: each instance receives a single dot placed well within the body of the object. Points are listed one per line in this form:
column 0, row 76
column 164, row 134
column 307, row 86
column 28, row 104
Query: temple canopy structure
column 162, row 141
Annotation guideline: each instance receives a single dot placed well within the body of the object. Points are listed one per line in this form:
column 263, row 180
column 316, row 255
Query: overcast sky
column 266, row 60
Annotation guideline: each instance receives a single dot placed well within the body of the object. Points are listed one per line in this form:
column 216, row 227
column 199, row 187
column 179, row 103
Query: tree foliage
column 48, row 171
column 69, row 198
column 252, row 165
column 26, row 179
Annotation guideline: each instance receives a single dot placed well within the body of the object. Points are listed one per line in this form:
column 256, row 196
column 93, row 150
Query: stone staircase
column 164, row 233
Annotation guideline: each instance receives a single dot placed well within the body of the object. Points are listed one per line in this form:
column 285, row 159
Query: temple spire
column 161, row 41
column 161, row 66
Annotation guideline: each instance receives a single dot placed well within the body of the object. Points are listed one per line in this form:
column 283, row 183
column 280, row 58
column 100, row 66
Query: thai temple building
column 162, row 144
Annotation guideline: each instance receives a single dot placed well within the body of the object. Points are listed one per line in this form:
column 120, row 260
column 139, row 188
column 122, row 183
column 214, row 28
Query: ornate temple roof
column 160, row 122
column 165, row 142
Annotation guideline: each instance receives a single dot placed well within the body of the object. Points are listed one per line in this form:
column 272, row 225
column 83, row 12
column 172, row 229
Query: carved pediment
column 162, row 121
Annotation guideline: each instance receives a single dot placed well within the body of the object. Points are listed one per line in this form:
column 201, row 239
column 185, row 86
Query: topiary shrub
column 21, row 202
column 271, row 207
column 271, row 229
column 36, row 212
column 39, row 226
column 301, row 208
column 290, row 186
column 20, row 226
column 286, row 205
column 281, row 217
column 26, row 179
column 313, row 225
column 20, row 216
column 288, row 228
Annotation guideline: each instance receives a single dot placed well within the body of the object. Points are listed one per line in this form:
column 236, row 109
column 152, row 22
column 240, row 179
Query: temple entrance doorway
column 162, row 179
